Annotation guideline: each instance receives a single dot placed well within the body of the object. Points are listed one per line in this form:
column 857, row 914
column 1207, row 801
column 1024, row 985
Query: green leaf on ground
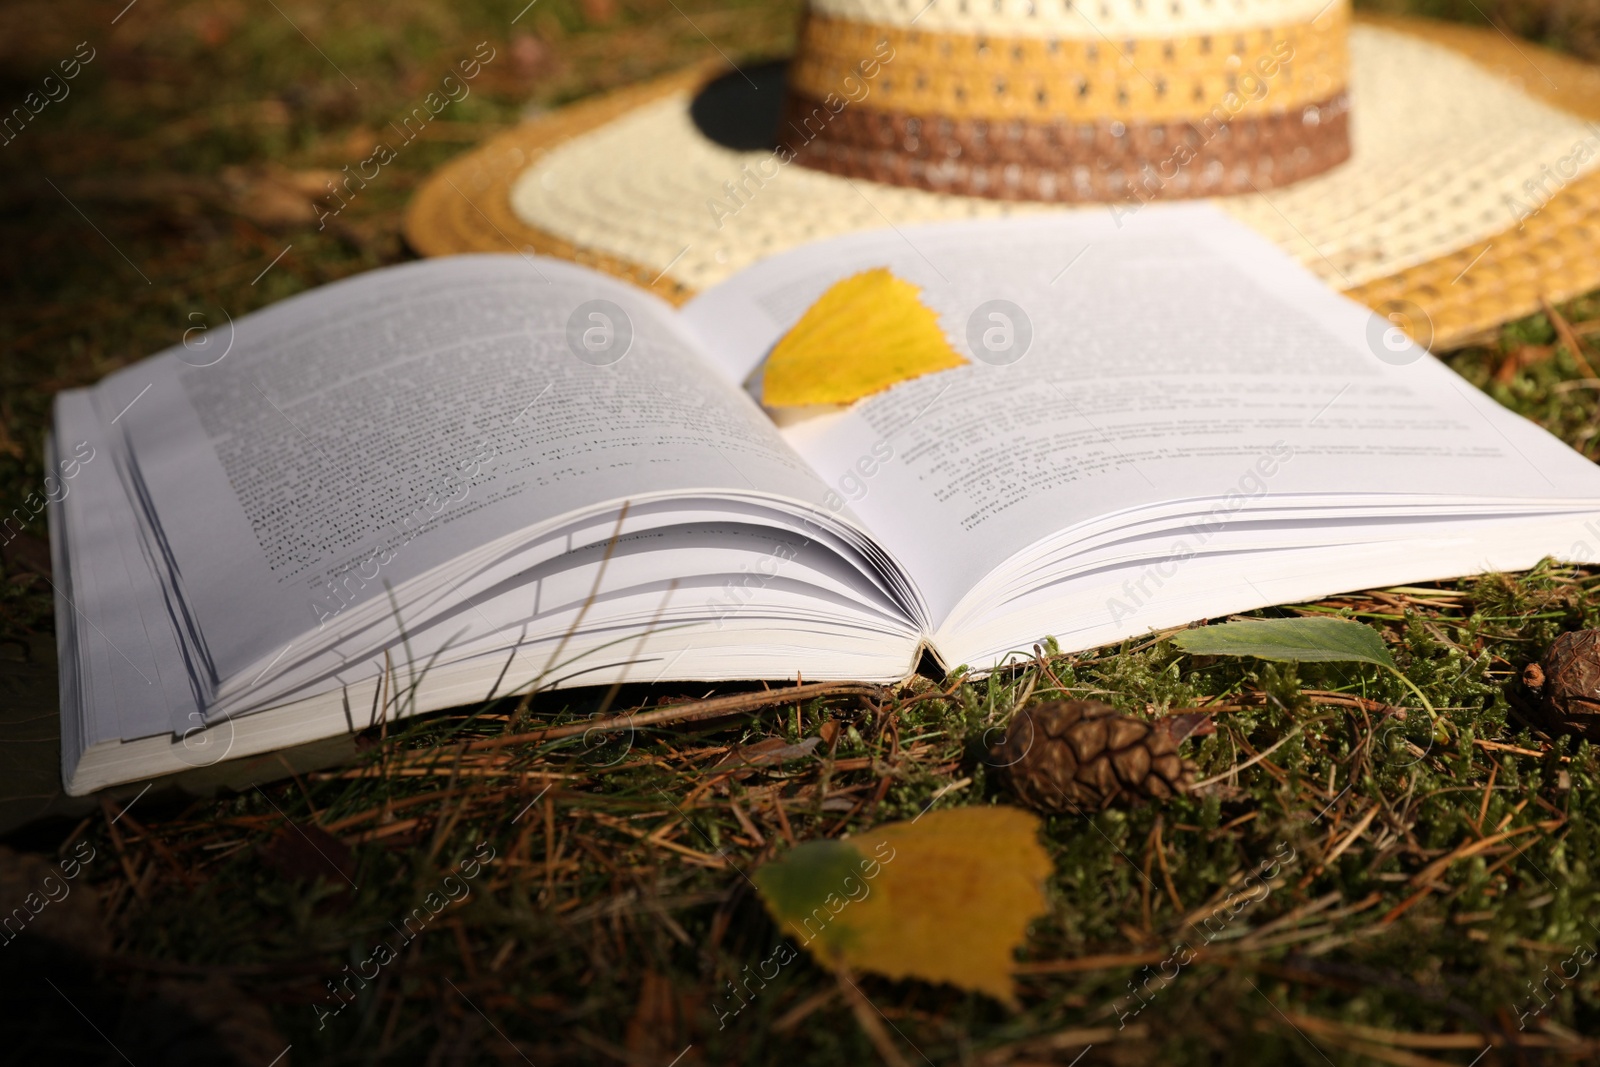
column 1309, row 640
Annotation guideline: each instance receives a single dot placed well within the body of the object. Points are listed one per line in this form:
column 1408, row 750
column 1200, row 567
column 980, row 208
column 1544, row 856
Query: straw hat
column 1444, row 175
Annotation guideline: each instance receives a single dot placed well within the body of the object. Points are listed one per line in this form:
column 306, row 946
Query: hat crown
column 1071, row 100
column 1074, row 18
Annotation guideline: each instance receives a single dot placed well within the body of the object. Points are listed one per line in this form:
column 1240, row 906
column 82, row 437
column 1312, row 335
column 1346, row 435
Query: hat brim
column 1471, row 278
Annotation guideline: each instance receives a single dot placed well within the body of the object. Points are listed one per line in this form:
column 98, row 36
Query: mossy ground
column 614, row 911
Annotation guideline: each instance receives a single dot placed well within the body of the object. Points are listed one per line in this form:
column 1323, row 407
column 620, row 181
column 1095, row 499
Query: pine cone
column 1080, row 754
column 1571, row 684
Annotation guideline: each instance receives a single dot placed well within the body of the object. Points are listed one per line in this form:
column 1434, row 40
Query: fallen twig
column 689, row 711
column 1564, row 331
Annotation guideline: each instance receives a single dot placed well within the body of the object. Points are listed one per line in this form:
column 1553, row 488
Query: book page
column 1117, row 364
column 387, row 424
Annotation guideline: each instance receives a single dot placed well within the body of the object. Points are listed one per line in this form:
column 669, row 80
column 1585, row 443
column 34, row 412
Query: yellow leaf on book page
column 866, row 333
column 946, row 897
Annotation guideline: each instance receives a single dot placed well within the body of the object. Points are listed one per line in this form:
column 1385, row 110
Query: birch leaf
column 944, row 898
column 866, row 333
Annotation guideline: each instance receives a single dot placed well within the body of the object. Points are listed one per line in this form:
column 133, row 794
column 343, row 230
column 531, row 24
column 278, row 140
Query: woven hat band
column 1070, row 162
column 1039, row 117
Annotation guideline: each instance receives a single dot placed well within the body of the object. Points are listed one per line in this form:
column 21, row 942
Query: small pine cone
column 1571, row 688
column 1080, row 754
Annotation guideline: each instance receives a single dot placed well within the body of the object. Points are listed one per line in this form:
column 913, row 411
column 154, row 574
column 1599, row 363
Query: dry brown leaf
column 276, row 197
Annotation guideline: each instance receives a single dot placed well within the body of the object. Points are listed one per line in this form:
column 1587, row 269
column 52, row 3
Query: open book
column 479, row 476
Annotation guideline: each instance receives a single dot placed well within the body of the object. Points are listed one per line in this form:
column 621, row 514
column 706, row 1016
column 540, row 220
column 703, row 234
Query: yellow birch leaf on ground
column 945, row 898
column 866, row 333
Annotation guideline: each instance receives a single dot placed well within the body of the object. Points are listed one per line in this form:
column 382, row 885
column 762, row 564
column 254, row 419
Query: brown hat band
column 1067, row 161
